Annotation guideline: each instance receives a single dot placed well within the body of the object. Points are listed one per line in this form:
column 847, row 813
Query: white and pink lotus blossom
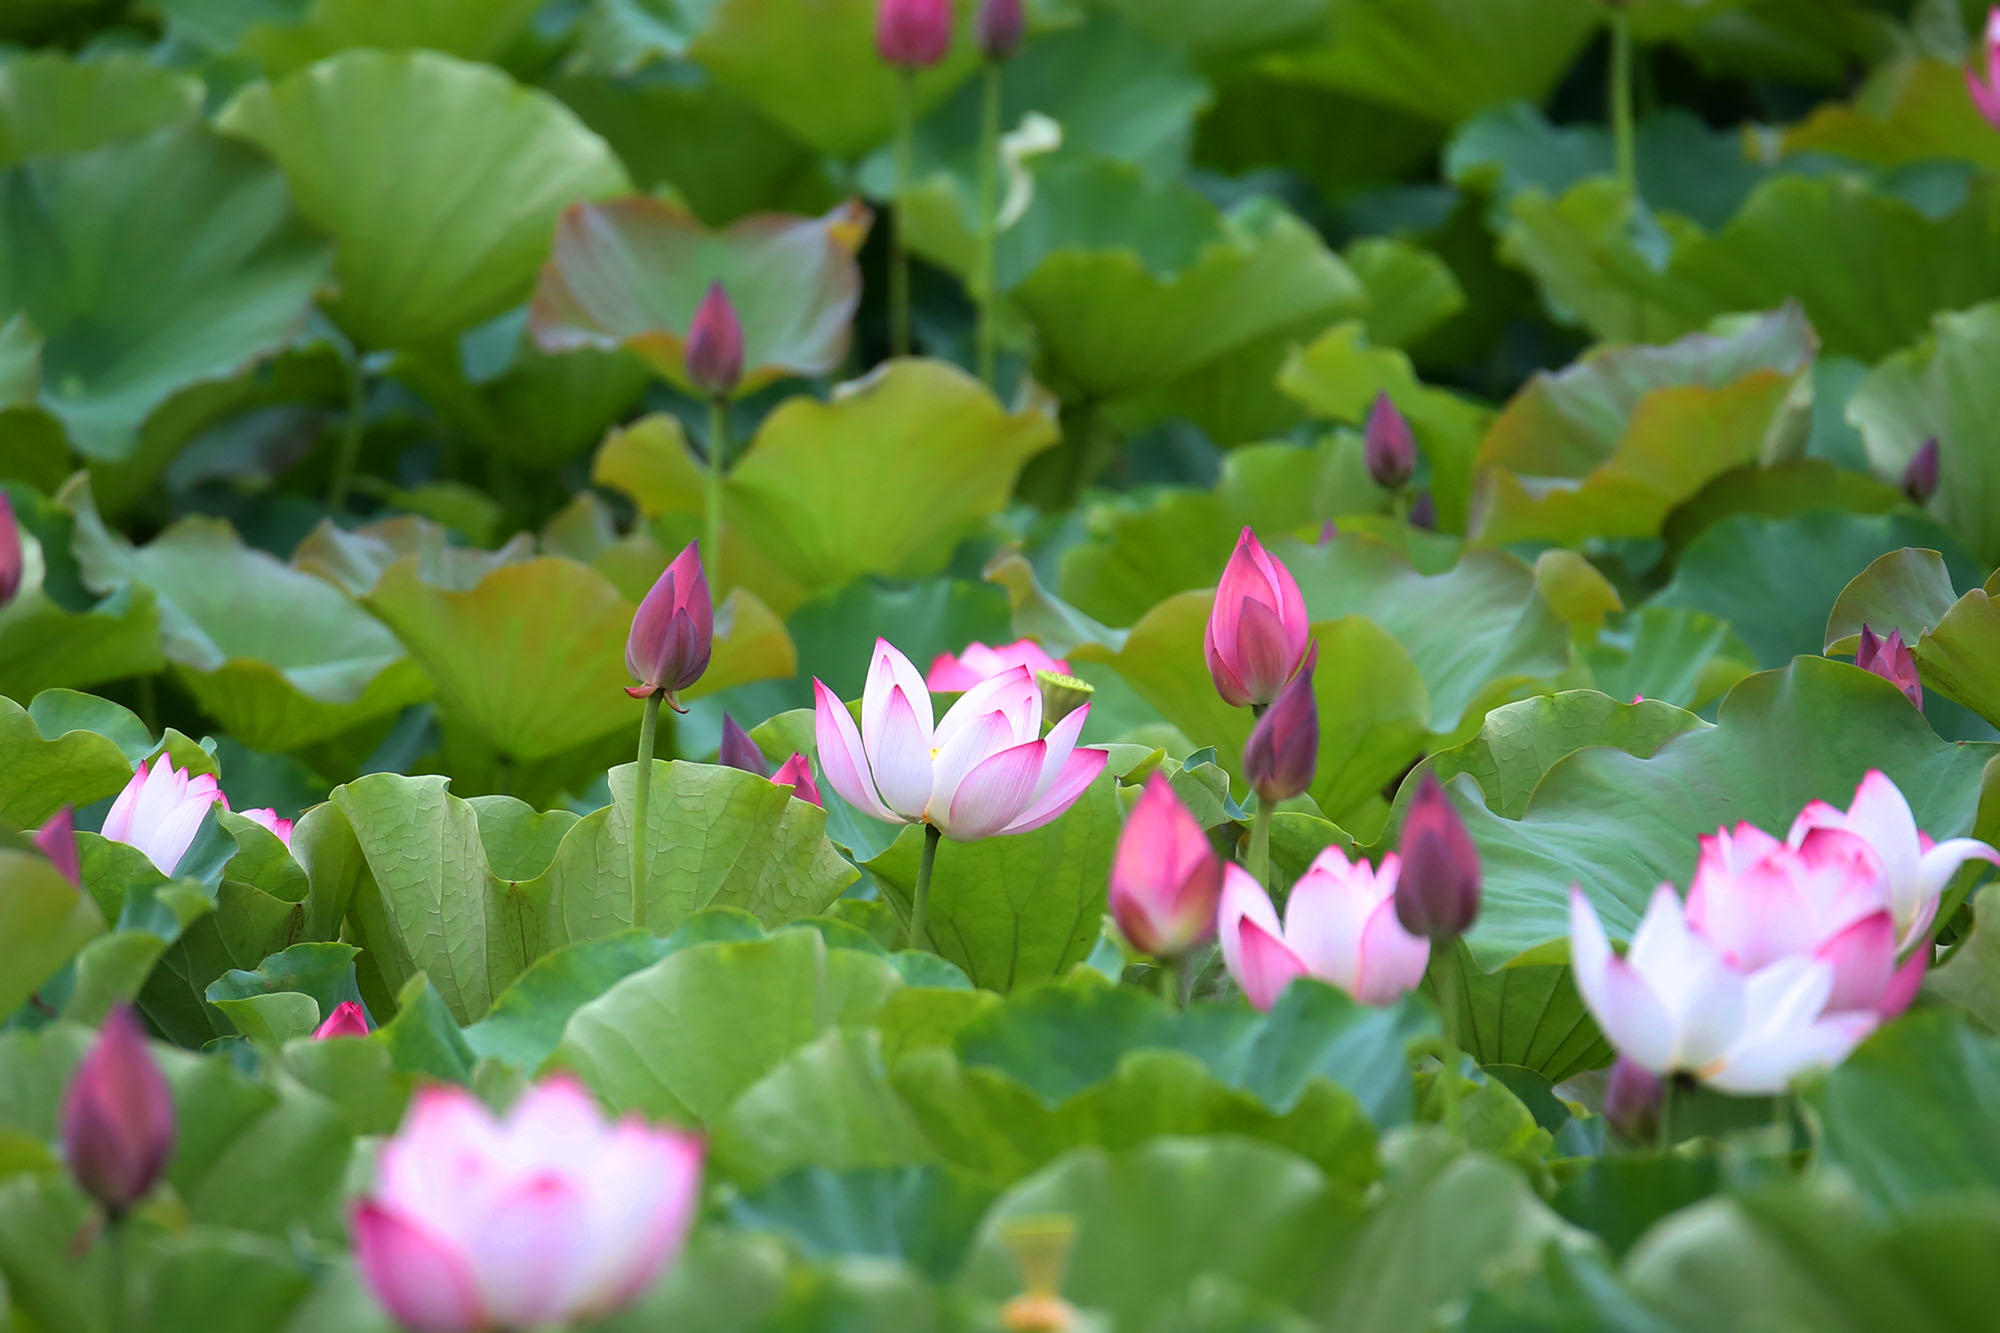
column 549, row 1215
column 1340, row 926
column 955, row 673
column 984, row 770
column 161, row 810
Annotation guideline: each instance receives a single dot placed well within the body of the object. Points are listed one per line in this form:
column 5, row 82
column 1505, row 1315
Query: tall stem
column 718, row 463
column 1666, row 1139
column 920, row 906
column 642, row 794
column 115, row 1278
column 989, row 222
column 899, row 263
column 1621, row 101
column 1167, row 977
column 350, row 439
column 1259, row 861
column 1444, row 952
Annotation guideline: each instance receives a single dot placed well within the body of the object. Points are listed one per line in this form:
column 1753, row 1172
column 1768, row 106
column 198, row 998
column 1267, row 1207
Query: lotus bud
column 673, row 632
column 1424, row 512
column 1437, row 893
column 1000, row 25
column 1328, row 531
column 118, row 1117
column 1892, row 660
column 1062, row 694
column 348, row 1019
column 797, row 773
column 1920, row 478
column 1258, row 631
column 1283, row 749
column 739, row 751
column 57, row 839
column 12, row 559
column 1632, row 1101
column 714, row 358
column 267, row 818
column 913, row 34
column 1983, row 80
column 1165, row 878
column 1391, row 451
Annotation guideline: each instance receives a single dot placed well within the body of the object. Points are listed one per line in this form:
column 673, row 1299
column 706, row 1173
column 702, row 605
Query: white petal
column 887, row 670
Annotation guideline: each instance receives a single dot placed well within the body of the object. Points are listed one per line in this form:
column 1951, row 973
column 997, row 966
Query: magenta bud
column 1424, row 512
column 1283, row 749
column 118, row 1117
column 673, row 632
column 797, row 773
column 1328, row 531
column 1165, row 879
column 1391, row 450
column 714, row 356
column 1920, row 478
column 1437, row 893
column 739, row 751
column 913, row 34
column 1258, row 628
column 1632, row 1101
column 1000, row 26
column 57, row 839
column 348, row 1019
column 12, row 558
column 1892, row 660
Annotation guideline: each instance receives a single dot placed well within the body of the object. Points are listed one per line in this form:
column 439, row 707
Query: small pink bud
column 1920, row 478
column 1632, row 1101
column 12, row 558
column 1437, row 893
column 739, row 751
column 1892, row 660
column 714, row 357
column 1424, row 513
column 1000, row 25
column 1165, row 878
column 1283, row 749
column 797, row 773
column 1983, row 80
column 1258, row 631
column 673, row 632
column 118, row 1117
column 1328, row 531
column 348, row 1019
column 57, row 839
column 913, row 34
column 1390, row 449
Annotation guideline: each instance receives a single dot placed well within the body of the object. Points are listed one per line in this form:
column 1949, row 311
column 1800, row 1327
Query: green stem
column 115, row 1278
column 920, row 905
column 1445, row 964
column 899, row 262
column 1666, row 1139
column 1621, row 102
column 350, row 440
column 1258, row 863
column 642, row 793
column 718, row 463
column 989, row 223
column 1167, row 978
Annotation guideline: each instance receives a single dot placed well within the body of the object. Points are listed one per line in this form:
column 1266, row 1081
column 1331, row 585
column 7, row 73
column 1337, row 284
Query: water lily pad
column 1909, row 111
column 1956, row 640
column 51, row 104
column 45, row 918
column 471, row 29
column 55, row 631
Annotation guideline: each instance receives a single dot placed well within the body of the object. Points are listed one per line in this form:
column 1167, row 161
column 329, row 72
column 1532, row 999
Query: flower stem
column 989, row 222
column 920, row 905
column 1666, row 1139
column 718, row 463
column 350, row 439
column 899, row 262
column 1167, row 978
column 115, row 1276
column 642, row 793
column 1444, row 952
column 1258, row 863
column 1621, row 101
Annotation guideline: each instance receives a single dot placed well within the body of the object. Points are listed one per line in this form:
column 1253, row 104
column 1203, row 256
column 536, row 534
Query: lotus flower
column 547, row 1216
column 118, row 1117
column 714, row 358
column 1437, row 893
column 673, row 632
column 797, row 773
column 1915, row 869
column 913, row 34
column 268, row 818
column 13, row 560
column 1673, row 1004
column 984, row 770
column 1424, row 512
column 1283, row 749
column 1340, row 926
column 57, row 839
column 1892, row 660
column 1389, row 449
column 1258, row 632
column 1633, row 1097
column 348, row 1019
column 955, row 675
column 1984, row 82
column 1165, row 878
column 160, row 811
column 1920, row 478
column 999, row 28
column 739, row 751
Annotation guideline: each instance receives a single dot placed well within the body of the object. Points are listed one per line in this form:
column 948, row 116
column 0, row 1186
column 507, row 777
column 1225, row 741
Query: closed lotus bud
column 1165, row 878
column 739, row 751
column 1258, row 630
column 913, row 34
column 1437, row 893
column 1982, row 80
column 714, row 356
column 1062, row 694
column 1920, row 478
column 1892, row 660
column 674, row 630
column 1283, row 749
column 57, row 839
column 1000, row 26
column 1391, row 451
column 118, row 1117
column 797, row 773
column 1632, row 1101
column 348, row 1019
column 12, row 558
column 1424, row 512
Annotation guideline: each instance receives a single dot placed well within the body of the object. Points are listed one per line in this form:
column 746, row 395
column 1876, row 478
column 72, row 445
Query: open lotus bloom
column 1674, row 1005
column 1257, row 632
column 160, row 811
column 955, row 674
column 547, row 1216
column 1340, row 926
column 985, row 769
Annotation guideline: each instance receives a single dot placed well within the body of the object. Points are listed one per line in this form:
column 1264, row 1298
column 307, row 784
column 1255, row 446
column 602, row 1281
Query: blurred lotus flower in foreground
column 1389, row 448
column 1437, row 893
column 547, row 1216
column 984, row 770
column 797, row 773
column 1674, row 1005
column 160, row 811
column 1892, row 660
column 348, row 1019
column 1165, row 878
column 1036, row 136
column 118, row 1117
column 999, row 28
column 955, row 675
column 715, row 345
column 268, row 818
column 1920, row 478
column 1983, row 80
column 739, row 751
column 1258, row 631
column 12, row 558
column 57, row 840
column 1340, row 926
column 1283, row 749
column 913, row 34
column 673, row 631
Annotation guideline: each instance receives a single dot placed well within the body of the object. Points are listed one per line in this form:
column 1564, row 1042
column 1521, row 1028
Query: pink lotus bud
column 1983, row 81
column 281, row 829
column 1892, row 660
column 1632, row 1101
column 797, row 773
column 913, row 34
column 1165, row 878
column 57, row 839
column 12, row 558
column 1328, row 531
column 739, row 751
column 1920, row 478
column 118, row 1117
column 547, row 1217
column 1258, row 631
column 1437, row 893
column 955, row 675
column 1000, row 25
column 161, row 810
column 1424, row 513
column 1391, row 451
column 714, row 357
column 1283, row 749
column 348, row 1019
column 674, row 630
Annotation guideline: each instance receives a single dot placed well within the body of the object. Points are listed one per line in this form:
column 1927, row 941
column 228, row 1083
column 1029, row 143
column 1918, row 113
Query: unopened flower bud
column 1632, row 1101
column 118, row 1117
column 12, row 558
column 1258, row 630
column 1424, row 512
column 1390, row 449
column 1000, row 26
column 1165, row 878
column 1892, row 660
column 1062, row 694
column 348, row 1019
column 913, row 34
column 739, row 751
column 797, row 773
column 673, row 632
column 1920, row 478
column 1283, row 749
column 714, row 356
column 1437, row 893
column 57, row 839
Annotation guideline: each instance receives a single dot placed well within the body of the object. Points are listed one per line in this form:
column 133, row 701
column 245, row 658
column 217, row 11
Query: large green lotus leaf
column 472, row 29
column 922, row 1215
column 183, row 242
column 1791, row 487
column 1583, row 250
column 1671, row 654
column 289, row 992
column 1411, row 291
column 1619, row 825
column 50, row 758
column 1611, row 445
column 1219, row 36
column 1968, row 982
column 1909, row 111
column 526, row 1022
column 827, row 1104
column 631, row 272
column 44, row 919
column 1529, row 1018
column 887, row 477
column 56, row 632
column 51, row 104
column 1519, row 743
column 1956, row 640
column 354, row 559
column 484, row 168
column 1940, row 389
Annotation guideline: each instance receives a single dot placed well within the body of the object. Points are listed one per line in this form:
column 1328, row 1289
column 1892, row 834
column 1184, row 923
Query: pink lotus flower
column 1388, row 447
column 118, row 1117
column 714, row 357
column 999, row 28
column 984, row 770
column 160, row 811
column 1165, row 878
column 673, row 631
column 348, row 1019
column 797, row 773
column 13, row 560
column 1984, row 82
column 737, row 750
column 1892, row 660
column 1258, row 631
column 913, row 34
column 57, row 839
column 1437, row 893
column 955, row 675
column 268, row 818
column 1340, row 926
column 547, row 1216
